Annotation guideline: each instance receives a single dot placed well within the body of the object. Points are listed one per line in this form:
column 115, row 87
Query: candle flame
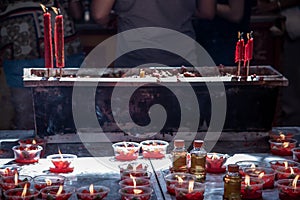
column 285, row 144
column 294, row 184
column 59, row 152
column 261, row 174
column 33, row 141
column 133, row 180
column 56, row 10
column 6, row 171
column 91, row 188
column 247, row 180
column 24, row 191
column 180, row 180
column 286, row 164
column 44, row 8
column 48, row 182
column 292, row 171
column 191, row 186
column 282, row 136
column 60, row 189
column 137, row 191
column 214, row 157
column 252, row 166
column 16, row 179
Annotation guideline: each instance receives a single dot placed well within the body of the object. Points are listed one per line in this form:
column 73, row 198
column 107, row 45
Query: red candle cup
column 27, row 154
column 136, row 174
column 287, row 173
column 126, row 151
column 57, row 192
column 154, row 149
column 173, row 178
column 135, row 193
column 133, row 166
column 296, row 154
column 266, row 174
column 62, row 163
column 215, row 163
column 21, row 194
column 279, row 135
column 283, row 164
column 43, row 181
column 288, row 189
column 138, row 181
column 92, row 192
column 251, row 188
column 35, row 141
column 282, row 147
column 189, row 190
column 247, row 164
column 9, row 170
column 16, row 181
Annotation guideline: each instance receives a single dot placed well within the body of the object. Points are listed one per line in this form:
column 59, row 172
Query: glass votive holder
column 136, row 193
column 21, row 194
column 43, row 181
column 138, row 181
column 9, row 170
column 57, row 192
column 35, row 141
column 275, row 164
column 215, row 163
column 247, row 164
column 282, row 147
column 92, row 192
column 251, row 189
column 264, row 173
column 288, row 189
column 296, row 154
column 287, row 173
column 136, row 174
column 126, row 151
column 154, row 149
column 132, row 166
column 189, row 190
column 16, row 181
column 173, row 178
column 62, row 162
column 27, row 154
column 280, row 135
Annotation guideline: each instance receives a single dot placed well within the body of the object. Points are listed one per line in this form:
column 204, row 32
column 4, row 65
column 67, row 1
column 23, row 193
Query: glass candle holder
column 251, row 190
column 277, row 164
column 280, row 135
column 287, row 173
column 154, row 149
column 172, row 179
column 136, row 174
column 296, row 154
column 136, row 193
column 62, row 163
column 16, row 194
column 288, row 190
column 132, row 166
column 57, row 192
column 282, row 147
column 16, row 181
column 92, row 192
column 264, row 173
column 215, row 163
column 247, row 164
column 189, row 190
column 126, row 151
column 35, row 141
column 27, row 154
column 139, row 182
column 9, row 170
column 43, row 181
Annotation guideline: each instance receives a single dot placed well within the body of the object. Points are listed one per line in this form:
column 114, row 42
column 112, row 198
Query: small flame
column 292, row 171
column 24, row 191
column 33, row 141
column 286, row 164
column 191, row 186
column 6, row 171
column 285, row 144
column 133, row 180
column 59, row 152
column 261, row 174
column 214, row 157
column 180, row 180
column 252, row 166
column 16, row 179
column 91, row 188
column 48, row 182
column 282, row 136
column 247, row 180
column 60, row 189
column 294, row 184
column 44, row 8
column 56, row 10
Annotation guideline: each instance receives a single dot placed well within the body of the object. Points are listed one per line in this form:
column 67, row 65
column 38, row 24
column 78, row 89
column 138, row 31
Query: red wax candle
column 173, row 178
column 287, row 173
column 282, row 148
column 215, row 163
column 154, row 149
column 138, row 182
column 135, row 193
column 92, row 192
column 16, row 194
column 43, row 181
column 266, row 174
column 16, row 181
column 136, row 173
column 251, row 188
column 8, row 170
column 35, row 141
column 57, row 192
column 280, row 135
column 27, row 154
column 289, row 189
column 247, row 164
column 189, row 191
column 126, row 151
column 48, row 39
column 283, row 164
column 61, row 162
column 59, row 41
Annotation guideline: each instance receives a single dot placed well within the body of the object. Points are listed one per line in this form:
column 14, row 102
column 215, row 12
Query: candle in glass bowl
column 132, row 166
column 296, row 154
column 92, row 192
column 16, row 181
column 282, row 147
column 251, row 188
column 136, row 173
column 43, row 181
column 9, row 170
column 57, row 192
column 289, row 189
column 189, row 190
column 247, row 164
column 27, row 154
column 275, row 164
column 173, row 178
column 62, row 162
column 35, row 141
column 264, row 173
column 215, row 163
column 155, row 149
column 287, row 173
column 279, row 135
column 21, row 194
column 135, row 193
column 126, row 151
column 138, row 181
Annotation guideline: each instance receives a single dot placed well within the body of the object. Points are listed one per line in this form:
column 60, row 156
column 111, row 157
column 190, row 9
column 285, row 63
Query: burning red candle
column 43, row 181
column 283, row 164
column 48, row 53
column 16, row 181
column 189, row 190
column 289, row 189
column 61, row 162
column 95, row 192
column 154, row 148
column 27, row 154
column 282, row 147
column 21, row 194
column 126, row 151
column 215, row 163
column 139, row 182
column 173, row 178
column 239, row 49
column 251, row 188
column 135, row 193
column 57, row 192
column 266, row 174
column 287, row 173
column 59, row 39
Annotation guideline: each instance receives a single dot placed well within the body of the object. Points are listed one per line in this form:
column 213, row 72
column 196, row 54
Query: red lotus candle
column 136, row 173
column 215, row 163
column 126, row 151
column 155, row 149
column 61, row 162
column 43, row 181
column 35, row 141
column 247, row 164
column 264, row 173
column 16, row 181
column 57, row 192
column 138, row 181
column 135, row 193
column 280, row 135
column 283, row 164
column 59, row 39
column 287, row 173
column 27, row 154
column 47, row 38
column 133, row 166
column 92, row 192
column 282, row 147
column 173, row 178
column 21, row 194
column 8, row 170
column 189, row 190
column 251, row 188
column 296, row 154
column 289, row 189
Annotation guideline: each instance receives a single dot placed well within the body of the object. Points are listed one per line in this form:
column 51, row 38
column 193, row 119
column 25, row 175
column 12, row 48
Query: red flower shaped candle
column 8, row 170
column 35, row 141
column 289, row 189
column 296, row 154
column 136, row 193
column 27, row 154
column 283, row 164
column 133, row 166
column 287, row 173
column 215, row 163
column 173, row 178
column 251, row 188
column 280, row 135
column 16, row 181
column 61, row 162
column 247, row 164
column 57, row 192
column 92, row 192
column 136, row 173
column 155, row 149
column 43, row 181
column 264, row 173
column 126, row 151
column 282, row 147
column 21, row 194
column 190, row 190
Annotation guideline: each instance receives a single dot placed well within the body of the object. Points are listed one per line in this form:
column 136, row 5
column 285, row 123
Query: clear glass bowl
column 43, row 181
column 172, row 178
column 142, row 193
column 99, row 192
column 27, row 154
column 126, row 151
column 15, row 194
column 139, row 182
column 287, row 191
column 154, row 149
column 50, row 192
